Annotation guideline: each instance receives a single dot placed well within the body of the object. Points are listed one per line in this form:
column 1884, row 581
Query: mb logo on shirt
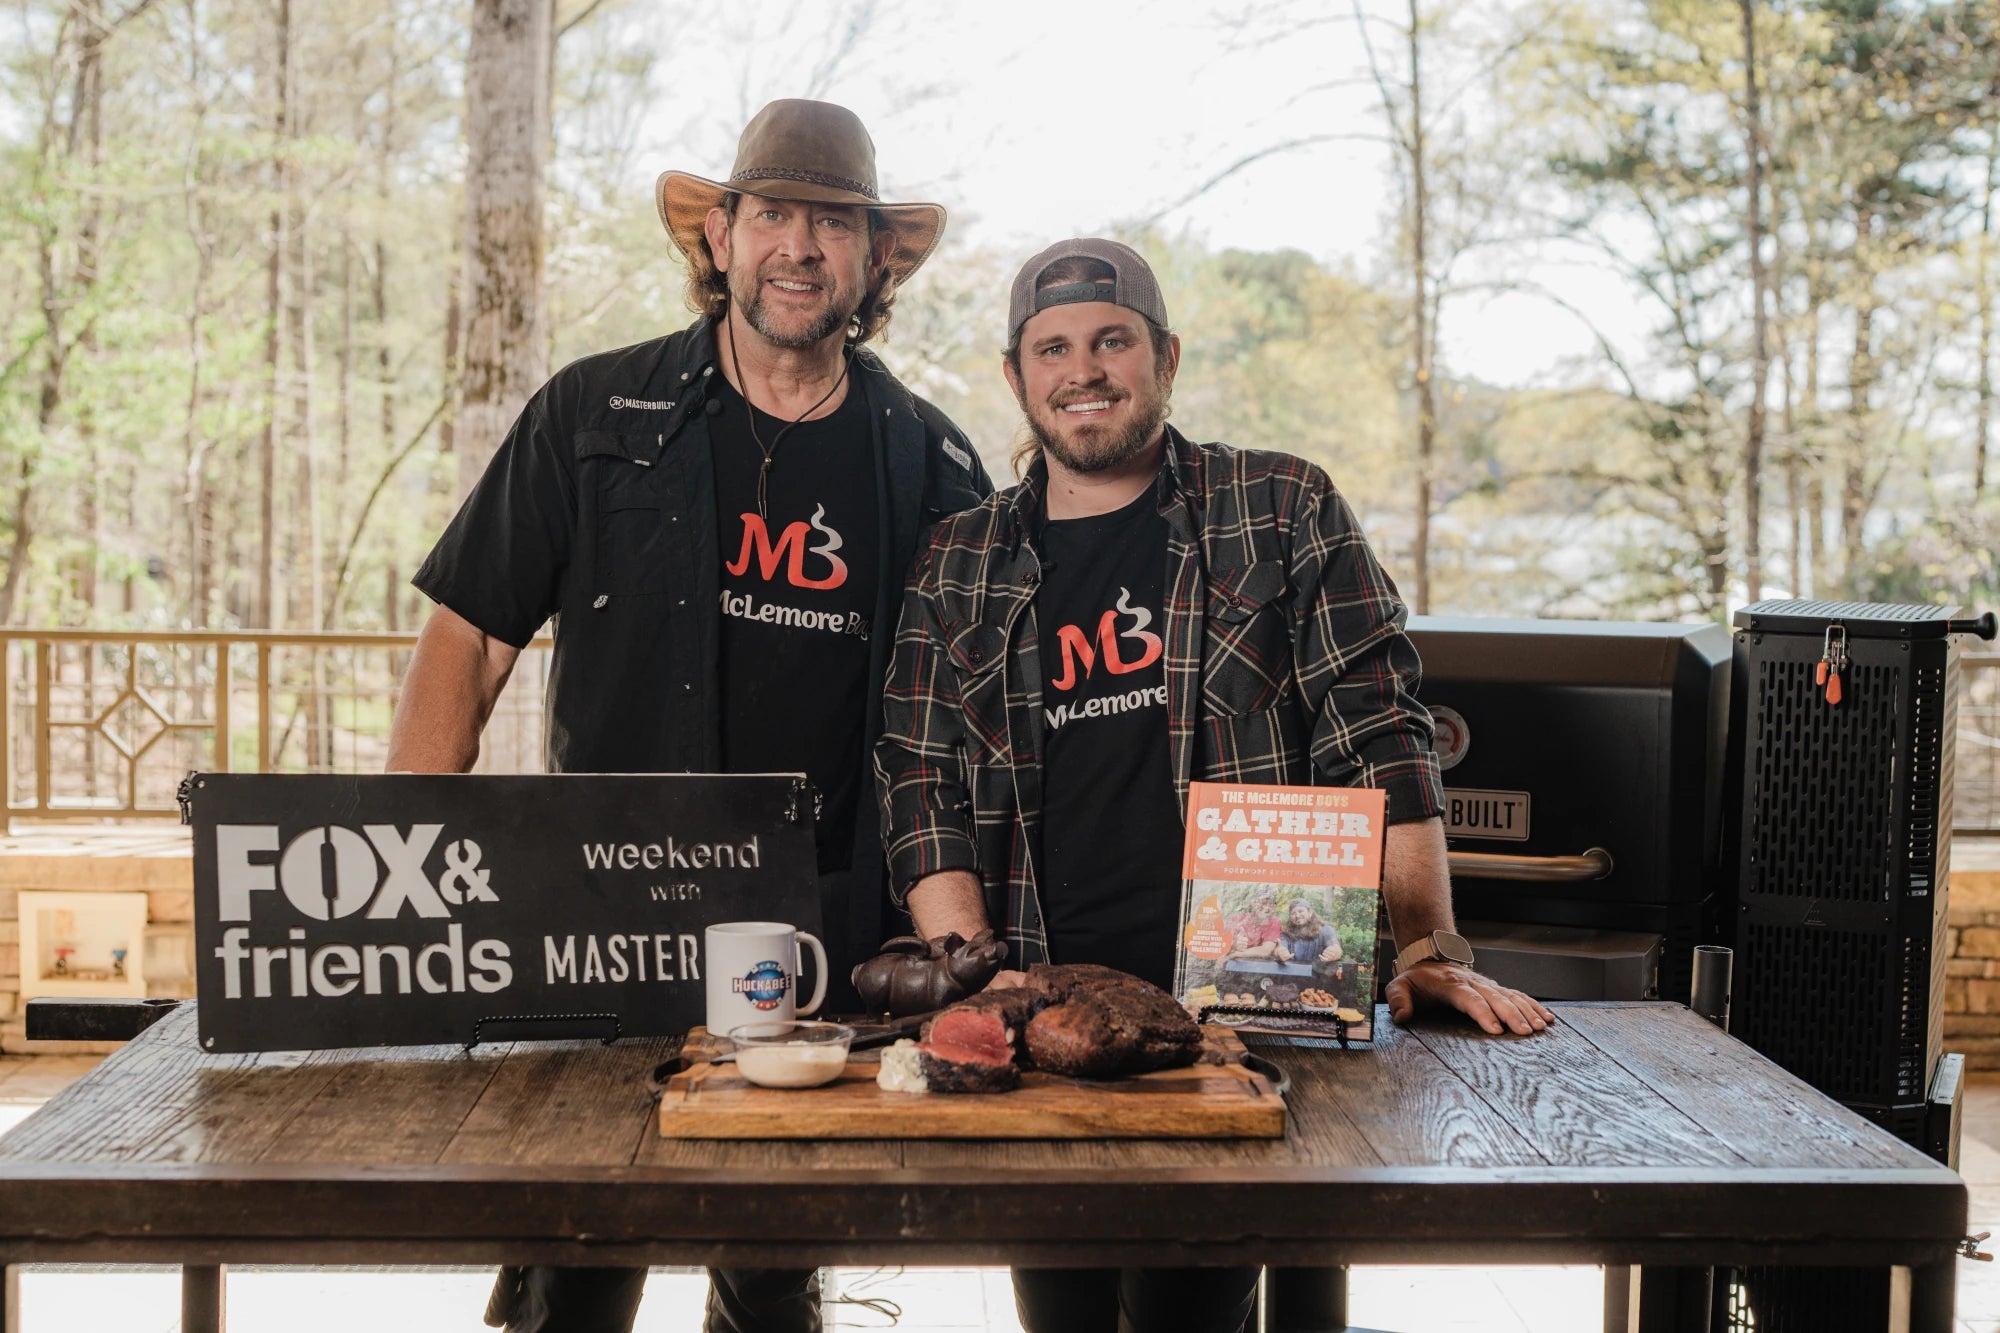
column 1120, row 651
column 1078, row 648
column 790, row 550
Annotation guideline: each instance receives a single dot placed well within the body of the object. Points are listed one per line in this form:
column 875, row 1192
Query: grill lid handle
column 1986, row 626
column 1593, row 864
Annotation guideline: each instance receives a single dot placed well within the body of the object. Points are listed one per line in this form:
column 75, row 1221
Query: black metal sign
column 406, row 910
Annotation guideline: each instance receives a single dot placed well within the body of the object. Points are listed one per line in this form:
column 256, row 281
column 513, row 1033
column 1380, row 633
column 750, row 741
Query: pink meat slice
column 973, row 1030
column 966, row 1055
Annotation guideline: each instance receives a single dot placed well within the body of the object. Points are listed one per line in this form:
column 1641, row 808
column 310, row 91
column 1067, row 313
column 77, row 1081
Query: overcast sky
column 1032, row 120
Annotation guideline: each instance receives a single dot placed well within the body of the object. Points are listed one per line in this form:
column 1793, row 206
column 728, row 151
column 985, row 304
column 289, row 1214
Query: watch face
column 1452, row 948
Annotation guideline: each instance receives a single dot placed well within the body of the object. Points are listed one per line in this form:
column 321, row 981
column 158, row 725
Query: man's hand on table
column 1496, row 1008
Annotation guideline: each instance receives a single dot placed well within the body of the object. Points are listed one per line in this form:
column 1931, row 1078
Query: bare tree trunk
column 87, row 113
column 1760, row 364
column 380, row 294
column 454, row 329
column 1860, row 407
column 505, row 351
column 1420, row 310
column 1815, row 464
column 1982, row 432
column 274, row 308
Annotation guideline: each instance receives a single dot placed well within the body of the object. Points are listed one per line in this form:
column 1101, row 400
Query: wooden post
column 263, row 706
column 201, row 1299
column 222, row 741
column 44, row 650
column 10, row 1299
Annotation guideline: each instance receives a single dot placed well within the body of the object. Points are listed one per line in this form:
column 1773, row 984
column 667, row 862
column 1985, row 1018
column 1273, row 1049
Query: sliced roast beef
column 950, row 1067
column 1010, row 1008
column 978, row 1028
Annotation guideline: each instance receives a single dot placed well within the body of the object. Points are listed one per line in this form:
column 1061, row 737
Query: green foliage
column 137, row 329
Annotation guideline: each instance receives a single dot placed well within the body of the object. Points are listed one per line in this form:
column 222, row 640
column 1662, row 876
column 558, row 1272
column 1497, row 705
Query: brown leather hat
column 811, row 151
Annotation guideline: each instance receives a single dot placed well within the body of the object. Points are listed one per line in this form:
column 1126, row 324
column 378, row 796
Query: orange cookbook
column 1281, row 908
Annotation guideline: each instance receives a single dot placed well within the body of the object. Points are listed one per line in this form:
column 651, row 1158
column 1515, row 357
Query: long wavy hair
column 707, row 290
column 1313, row 926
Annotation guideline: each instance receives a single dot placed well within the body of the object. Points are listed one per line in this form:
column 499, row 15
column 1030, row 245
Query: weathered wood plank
column 1768, row 1116
column 161, row 1099
column 1571, row 1101
column 1408, row 1107
column 572, row 1103
column 396, row 1106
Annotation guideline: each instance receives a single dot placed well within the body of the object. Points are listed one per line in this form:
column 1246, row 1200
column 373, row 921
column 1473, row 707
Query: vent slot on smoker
column 1835, row 1006
column 1819, row 816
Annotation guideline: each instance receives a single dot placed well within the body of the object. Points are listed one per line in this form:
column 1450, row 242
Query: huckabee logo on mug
column 763, row 985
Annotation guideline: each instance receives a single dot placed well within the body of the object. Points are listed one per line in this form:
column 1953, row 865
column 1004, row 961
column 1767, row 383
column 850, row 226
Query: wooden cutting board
column 1217, row 1098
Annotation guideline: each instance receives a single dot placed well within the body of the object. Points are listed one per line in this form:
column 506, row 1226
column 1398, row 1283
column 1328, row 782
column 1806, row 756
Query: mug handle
column 819, row 973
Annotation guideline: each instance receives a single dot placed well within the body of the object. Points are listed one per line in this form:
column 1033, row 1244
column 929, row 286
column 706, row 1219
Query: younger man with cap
column 1139, row 613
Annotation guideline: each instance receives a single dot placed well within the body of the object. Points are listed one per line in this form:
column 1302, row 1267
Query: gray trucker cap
column 1132, row 286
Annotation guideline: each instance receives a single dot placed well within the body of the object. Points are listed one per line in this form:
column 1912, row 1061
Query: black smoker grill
column 1844, row 853
column 1583, row 767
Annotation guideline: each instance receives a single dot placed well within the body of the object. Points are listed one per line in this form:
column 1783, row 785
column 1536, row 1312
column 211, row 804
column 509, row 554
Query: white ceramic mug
column 753, row 973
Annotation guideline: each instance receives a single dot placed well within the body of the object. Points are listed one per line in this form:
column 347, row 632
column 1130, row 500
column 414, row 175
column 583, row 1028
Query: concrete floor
column 1411, row 1300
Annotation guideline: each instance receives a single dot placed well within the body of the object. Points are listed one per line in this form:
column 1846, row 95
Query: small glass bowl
column 791, row 1055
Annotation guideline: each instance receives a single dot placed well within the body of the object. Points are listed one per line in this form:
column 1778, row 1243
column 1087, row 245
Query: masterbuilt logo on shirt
column 645, row 404
column 1119, row 652
column 332, row 873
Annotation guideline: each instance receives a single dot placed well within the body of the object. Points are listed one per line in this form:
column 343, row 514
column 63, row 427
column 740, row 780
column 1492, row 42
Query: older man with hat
column 720, row 521
column 1141, row 612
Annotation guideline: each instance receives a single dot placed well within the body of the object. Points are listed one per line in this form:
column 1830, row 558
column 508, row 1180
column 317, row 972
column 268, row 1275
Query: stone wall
column 1972, row 950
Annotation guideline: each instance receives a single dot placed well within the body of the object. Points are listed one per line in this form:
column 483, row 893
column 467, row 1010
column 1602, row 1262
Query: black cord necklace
column 770, row 451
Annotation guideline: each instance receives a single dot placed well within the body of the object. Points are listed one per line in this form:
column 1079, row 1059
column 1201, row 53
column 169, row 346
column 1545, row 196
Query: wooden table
column 1628, row 1135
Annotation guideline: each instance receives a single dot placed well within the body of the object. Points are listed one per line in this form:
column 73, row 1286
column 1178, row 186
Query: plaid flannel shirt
column 1286, row 663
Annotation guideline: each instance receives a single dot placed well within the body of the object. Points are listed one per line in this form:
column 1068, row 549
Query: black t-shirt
column 1111, row 824
column 798, row 592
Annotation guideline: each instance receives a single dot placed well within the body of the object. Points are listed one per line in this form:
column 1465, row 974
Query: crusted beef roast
column 1110, row 1031
column 1081, row 1020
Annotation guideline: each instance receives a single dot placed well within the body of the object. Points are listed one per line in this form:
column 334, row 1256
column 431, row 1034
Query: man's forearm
column 454, row 679
column 948, row 901
column 1416, row 880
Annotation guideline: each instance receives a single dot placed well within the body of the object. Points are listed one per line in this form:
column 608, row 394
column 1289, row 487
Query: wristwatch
column 1438, row 946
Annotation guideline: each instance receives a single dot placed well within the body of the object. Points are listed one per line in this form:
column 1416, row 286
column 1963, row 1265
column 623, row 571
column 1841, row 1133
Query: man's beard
column 830, row 321
column 1106, row 454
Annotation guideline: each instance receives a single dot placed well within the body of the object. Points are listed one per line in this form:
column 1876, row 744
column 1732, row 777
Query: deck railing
column 1977, row 807
column 103, row 725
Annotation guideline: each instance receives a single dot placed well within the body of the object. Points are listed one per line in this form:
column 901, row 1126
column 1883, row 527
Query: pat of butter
column 796, row 1064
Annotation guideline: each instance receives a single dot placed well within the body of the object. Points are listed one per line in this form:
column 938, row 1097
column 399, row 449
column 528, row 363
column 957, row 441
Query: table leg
column 10, row 1298
column 1670, row 1300
column 1618, row 1298
column 1933, row 1296
column 201, row 1299
column 1305, row 1300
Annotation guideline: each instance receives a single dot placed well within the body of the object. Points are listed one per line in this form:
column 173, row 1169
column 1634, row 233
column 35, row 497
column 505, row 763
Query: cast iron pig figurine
column 915, row 976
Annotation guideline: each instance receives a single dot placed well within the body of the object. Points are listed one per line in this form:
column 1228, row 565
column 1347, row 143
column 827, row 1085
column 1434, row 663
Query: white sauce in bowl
column 792, row 1064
